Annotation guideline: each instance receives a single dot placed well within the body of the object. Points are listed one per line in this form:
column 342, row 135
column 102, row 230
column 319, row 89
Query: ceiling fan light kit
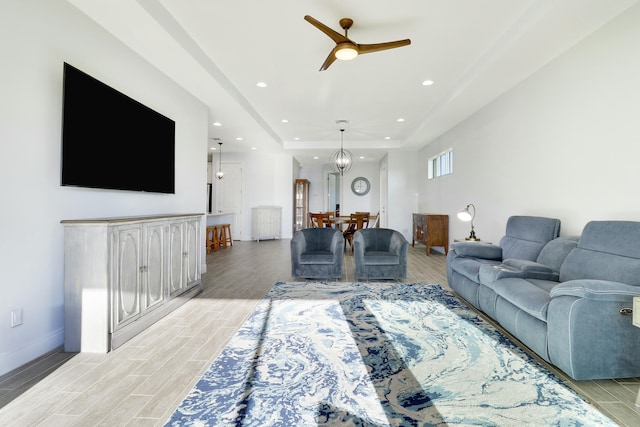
column 345, row 48
column 346, row 52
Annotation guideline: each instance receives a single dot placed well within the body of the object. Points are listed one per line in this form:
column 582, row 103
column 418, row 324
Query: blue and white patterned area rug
column 376, row 354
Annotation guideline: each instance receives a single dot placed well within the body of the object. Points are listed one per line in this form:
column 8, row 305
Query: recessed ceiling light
column 239, row 138
column 387, row 137
column 400, row 120
column 361, row 157
column 284, row 121
column 427, row 83
column 261, row 84
column 253, row 148
column 315, row 157
column 296, row 139
column 217, row 124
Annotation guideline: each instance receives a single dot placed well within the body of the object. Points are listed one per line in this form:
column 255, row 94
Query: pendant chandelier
column 342, row 159
column 220, row 174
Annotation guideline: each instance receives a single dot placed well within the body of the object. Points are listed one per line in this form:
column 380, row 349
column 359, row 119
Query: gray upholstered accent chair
column 380, row 253
column 317, row 253
column 524, row 239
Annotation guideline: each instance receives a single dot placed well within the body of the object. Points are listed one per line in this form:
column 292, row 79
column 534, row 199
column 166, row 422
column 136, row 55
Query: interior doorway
column 229, row 196
column 333, row 193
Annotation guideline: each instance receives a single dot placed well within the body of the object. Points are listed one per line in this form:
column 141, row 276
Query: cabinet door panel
column 128, row 275
column 154, row 266
column 176, row 263
column 192, row 255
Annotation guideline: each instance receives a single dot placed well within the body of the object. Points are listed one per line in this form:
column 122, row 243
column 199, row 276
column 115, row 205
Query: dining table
column 339, row 222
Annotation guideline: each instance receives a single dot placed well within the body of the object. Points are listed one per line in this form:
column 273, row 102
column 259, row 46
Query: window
column 442, row 164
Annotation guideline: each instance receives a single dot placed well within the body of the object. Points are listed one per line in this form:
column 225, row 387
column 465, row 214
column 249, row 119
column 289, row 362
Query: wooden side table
column 431, row 230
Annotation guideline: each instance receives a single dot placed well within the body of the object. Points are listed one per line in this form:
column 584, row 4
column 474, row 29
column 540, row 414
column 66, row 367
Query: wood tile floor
column 142, row 382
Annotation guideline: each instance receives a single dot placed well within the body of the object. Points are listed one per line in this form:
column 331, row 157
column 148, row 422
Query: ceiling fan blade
column 330, row 59
column 368, row 48
column 335, row 36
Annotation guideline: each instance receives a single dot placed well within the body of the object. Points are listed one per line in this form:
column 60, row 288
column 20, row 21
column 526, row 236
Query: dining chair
column 320, row 220
column 357, row 221
column 374, row 221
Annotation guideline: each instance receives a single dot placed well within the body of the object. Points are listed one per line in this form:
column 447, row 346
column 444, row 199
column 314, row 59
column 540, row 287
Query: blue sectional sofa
column 571, row 304
column 524, row 238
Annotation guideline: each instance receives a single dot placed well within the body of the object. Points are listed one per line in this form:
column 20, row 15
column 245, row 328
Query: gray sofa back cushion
column 319, row 239
column 554, row 253
column 526, row 236
column 607, row 250
column 379, row 240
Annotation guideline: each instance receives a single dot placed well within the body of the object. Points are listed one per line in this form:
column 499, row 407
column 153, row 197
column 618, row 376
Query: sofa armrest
column 337, row 245
column 397, row 244
column 525, row 265
column 478, row 250
column 600, row 290
column 298, row 245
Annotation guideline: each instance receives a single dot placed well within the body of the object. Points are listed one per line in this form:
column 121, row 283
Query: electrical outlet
column 636, row 313
column 16, row 318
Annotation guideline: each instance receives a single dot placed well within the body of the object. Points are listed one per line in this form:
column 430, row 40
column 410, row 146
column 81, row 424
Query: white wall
column 350, row 203
column 565, row 143
column 268, row 181
column 36, row 37
column 402, row 197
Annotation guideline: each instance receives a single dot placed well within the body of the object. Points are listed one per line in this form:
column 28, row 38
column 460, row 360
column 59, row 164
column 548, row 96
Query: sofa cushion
column 525, row 265
column 554, row 253
column 478, row 249
column 526, row 236
column 317, row 257
column 470, row 267
column 614, row 237
column 529, row 295
column 589, row 264
column 381, row 258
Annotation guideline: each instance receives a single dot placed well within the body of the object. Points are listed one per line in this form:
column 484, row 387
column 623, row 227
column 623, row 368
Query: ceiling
column 472, row 50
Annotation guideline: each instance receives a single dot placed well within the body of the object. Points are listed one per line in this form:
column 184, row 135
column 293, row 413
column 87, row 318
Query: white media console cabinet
column 123, row 274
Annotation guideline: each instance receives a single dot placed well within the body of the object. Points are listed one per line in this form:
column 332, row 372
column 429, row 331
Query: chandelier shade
column 342, row 160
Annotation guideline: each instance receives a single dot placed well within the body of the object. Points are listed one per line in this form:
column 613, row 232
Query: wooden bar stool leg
column 228, row 234
column 222, row 239
column 210, row 236
column 216, row 238
column 225, row 235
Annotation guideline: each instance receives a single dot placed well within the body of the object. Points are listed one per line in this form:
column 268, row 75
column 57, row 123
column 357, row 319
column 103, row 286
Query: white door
column 229, row 196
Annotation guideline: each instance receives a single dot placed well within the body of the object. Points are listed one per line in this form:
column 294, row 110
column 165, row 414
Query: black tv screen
column 112, row 141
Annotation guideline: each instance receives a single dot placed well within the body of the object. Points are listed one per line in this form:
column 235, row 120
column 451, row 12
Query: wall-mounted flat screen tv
column 112, row 141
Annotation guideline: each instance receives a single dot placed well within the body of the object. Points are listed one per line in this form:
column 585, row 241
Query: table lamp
column 466, row 215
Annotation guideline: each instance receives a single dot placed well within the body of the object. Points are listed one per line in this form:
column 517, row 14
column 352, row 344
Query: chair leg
column 225, row 235
column 210, row 236
column 216, row 238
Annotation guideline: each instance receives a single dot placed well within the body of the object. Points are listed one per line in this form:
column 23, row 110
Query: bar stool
column 225, row 235
column 213, row 238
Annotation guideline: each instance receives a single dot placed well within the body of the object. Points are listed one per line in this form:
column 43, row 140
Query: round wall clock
column 360, row 186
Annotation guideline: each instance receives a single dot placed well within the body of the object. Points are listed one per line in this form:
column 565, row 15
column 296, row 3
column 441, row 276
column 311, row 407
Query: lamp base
column 472, row 239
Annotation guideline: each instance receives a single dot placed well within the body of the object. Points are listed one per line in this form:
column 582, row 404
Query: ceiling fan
column 345, row 48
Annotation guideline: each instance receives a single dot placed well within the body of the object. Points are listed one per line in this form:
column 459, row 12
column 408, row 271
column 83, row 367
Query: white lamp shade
column 464, row 216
